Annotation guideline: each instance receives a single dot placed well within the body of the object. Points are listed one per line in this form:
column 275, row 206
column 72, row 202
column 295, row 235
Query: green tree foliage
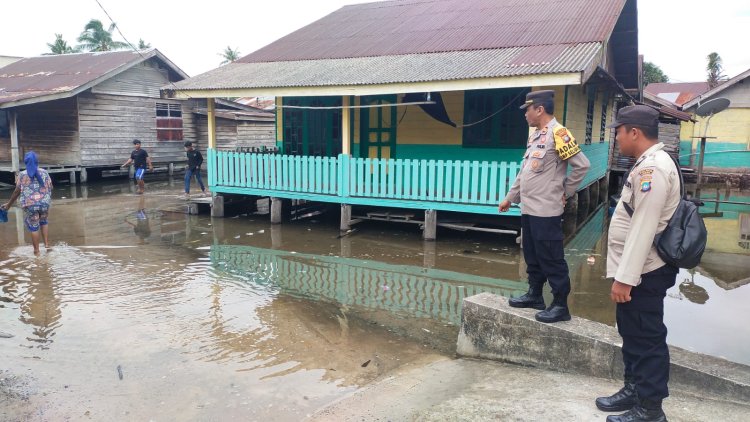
column 229, row 55
column 60, row 46
column 95, row 38
column 715, row 70
column 142, row 45
column 653, row 74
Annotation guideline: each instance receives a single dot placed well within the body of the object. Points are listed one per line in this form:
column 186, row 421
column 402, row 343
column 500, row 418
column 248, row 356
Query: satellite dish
column 712, row 107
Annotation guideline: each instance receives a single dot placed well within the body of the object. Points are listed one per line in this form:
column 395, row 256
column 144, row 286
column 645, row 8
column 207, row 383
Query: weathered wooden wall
column 50, row 129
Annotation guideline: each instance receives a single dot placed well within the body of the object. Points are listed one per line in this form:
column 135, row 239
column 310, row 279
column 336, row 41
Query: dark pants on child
column 189, row 175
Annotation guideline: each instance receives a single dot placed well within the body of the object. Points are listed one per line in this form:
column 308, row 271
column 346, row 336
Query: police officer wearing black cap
column 542, row 187
column 651, row 194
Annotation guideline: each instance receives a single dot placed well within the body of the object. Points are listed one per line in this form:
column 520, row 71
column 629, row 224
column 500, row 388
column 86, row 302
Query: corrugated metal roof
column 426, row 67
column 427, row 26
column 677, row 93
column 65, row 74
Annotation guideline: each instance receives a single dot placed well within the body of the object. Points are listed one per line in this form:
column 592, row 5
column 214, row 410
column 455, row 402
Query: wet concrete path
column 142, row 313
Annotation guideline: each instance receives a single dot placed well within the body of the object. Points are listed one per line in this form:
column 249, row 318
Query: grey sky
column 676, row 35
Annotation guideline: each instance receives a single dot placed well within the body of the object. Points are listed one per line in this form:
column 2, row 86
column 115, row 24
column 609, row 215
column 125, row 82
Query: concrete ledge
column 491, row 329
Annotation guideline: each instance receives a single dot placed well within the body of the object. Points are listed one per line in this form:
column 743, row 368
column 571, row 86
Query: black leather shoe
column 639, row 414
column 527, row 301
column 621, row 401
column 554, row 313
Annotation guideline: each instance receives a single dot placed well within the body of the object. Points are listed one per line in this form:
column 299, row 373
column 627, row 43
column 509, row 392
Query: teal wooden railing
column 466, row 186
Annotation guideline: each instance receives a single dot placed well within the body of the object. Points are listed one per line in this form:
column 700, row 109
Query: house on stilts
column 414, row 105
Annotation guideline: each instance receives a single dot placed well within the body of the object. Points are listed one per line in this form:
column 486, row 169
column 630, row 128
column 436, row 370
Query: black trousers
column 542, row 239
column 644, row 335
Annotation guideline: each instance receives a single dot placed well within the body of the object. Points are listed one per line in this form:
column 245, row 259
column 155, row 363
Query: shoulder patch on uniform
column 645, row 185
column 645, row 172
column 565, row 144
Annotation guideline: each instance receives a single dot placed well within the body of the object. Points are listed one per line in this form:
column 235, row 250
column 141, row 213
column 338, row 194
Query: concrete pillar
column 604, row 189
column 20, row 230
column 131, row 171
column 346, row 247
column 73, row 192
column 276, row 239
column 430, row 254
column 72, row 177
column 276, row 210
column 346, row 217
column 594, row 196
column 430, row 225
column 217, row 206
column 171, row 169
column 85, row 192
column 84, row 175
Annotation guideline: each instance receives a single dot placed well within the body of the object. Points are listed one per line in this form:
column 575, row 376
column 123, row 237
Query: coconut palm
column 715, row 69
column 229, row 55
column 96, row 38
column 60, row 46
column 142, row 45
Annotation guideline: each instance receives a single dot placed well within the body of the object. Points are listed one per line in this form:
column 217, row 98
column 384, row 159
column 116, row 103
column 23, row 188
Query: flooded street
column 140, row 312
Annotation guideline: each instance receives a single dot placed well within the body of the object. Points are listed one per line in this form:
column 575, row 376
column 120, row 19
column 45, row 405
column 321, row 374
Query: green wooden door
column 378, row 127
column 311, row 131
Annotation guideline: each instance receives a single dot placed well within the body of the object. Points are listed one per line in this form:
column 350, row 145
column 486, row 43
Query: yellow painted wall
column 731, row 125
column 418, row 128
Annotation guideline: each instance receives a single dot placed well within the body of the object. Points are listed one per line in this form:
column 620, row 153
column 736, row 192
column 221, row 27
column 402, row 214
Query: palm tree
column 714, row 68
column 142, row 45
column 60, row 46
column 96, row 38
column 229, row 55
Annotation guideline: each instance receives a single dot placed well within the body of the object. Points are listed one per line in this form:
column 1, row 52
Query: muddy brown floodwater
column 139, row 312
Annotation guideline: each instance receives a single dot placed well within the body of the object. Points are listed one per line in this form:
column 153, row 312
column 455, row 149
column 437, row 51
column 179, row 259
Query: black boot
column 622, row 400
column 557, row 311
column 532, row 299
column 639, row 413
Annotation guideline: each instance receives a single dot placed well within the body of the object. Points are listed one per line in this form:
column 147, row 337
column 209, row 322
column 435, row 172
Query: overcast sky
column 676, row 35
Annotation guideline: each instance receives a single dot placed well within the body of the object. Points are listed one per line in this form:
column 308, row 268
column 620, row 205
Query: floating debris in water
column 591, row 260
column 385, row 288
column 5, row 335
column 119, row 372
column 364, row 365
column 261, row 231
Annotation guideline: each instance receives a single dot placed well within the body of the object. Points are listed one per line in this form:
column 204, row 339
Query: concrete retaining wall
column 491, row 329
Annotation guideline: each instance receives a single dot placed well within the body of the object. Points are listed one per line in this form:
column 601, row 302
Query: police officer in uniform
column 651, row 194
column 542, row 189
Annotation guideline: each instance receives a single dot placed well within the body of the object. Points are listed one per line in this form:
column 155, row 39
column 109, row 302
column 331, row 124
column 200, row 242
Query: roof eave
column 556, row 79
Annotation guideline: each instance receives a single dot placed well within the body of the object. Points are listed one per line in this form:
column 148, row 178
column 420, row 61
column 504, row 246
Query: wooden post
column 72, row 177
column 84, row 175
column 13, row 126
column 211, row 122
column 430, row 225
column 430, row 254
column 171, row 169
column 276, row 241
column 346, row 218
column 346, row 142
column 276, row 210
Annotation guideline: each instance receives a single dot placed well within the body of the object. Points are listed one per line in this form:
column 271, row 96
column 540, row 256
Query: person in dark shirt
column 140, row 160
column 195, row 159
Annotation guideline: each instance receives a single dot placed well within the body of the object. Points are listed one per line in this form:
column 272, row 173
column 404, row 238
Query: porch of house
column 465, row 186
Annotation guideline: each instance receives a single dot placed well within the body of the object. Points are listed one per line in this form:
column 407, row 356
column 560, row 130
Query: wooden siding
column 109, row 123
column 50, row 129
column 143, row 80
column 669, row 134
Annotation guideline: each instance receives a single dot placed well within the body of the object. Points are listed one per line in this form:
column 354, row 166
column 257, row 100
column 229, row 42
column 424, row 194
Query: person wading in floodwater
column 34, row 186
column 140, row 160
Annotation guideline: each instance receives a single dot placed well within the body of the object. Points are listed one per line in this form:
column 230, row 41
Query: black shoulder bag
column 683, row 241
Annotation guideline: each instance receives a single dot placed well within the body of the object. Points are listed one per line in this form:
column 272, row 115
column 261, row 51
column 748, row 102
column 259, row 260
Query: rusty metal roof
column 428, row 26
column 677, row 93
column 44, row 78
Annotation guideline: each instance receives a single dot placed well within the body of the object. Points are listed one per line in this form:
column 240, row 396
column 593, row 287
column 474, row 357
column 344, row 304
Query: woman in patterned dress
column 34, row 186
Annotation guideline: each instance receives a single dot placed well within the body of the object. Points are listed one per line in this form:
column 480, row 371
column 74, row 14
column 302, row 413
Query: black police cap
column 636, row 115
column 537, row 97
